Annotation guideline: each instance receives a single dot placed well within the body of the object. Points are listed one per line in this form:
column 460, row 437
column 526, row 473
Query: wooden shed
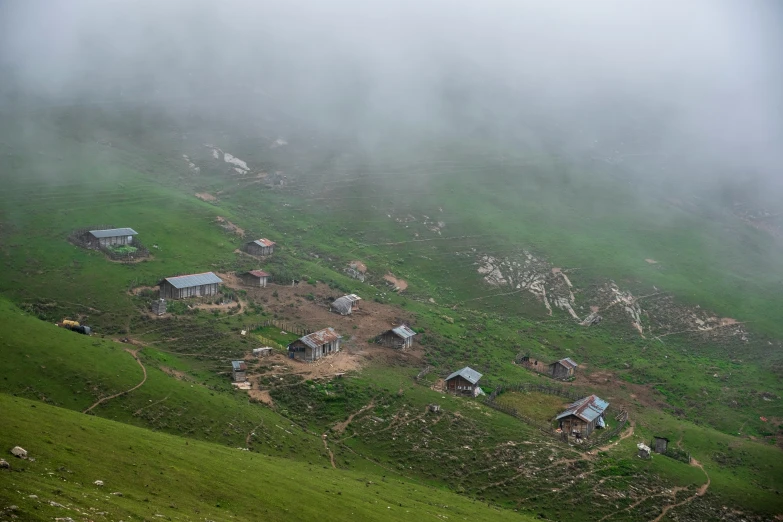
column 257, row 278
column 583, row 416
column 400, row 337
column 110, row 237
column 238, row 371
column 260, row 247
column 346, row 304
column 464, row 382
column 315, row 345
column 194, row 285
column 563, row 369
column 660, row 444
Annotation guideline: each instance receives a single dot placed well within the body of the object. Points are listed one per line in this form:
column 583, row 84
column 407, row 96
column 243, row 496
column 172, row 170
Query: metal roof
column 259, row 273
column 353, row 297
column 238, row 365
column 113, row 232
column 343, row 305
column 467, row 373
column 264, row 242
column 567, row 362
column 186, row 281
column 317, row 339
column 586, row 409
column 403, row 331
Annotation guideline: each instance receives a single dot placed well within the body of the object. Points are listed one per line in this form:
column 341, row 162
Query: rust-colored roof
column 259, row 273
column 264, row 242
column 321, row 337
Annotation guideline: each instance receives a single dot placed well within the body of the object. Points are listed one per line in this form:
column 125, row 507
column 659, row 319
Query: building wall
column 536, row 365
column 305, row 353
column 561, row 372
column 660, row 445
column 253, row 249
column 252, row 280
column 239, row 375
column 461, row 386
column 573, row 424
column 391, row 340
column 168, row 291
column 116, row 240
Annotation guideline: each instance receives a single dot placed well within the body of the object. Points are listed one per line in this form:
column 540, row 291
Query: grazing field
column 535, row 405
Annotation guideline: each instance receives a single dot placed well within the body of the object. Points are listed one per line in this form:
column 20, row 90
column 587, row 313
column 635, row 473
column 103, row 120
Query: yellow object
column 68, row 322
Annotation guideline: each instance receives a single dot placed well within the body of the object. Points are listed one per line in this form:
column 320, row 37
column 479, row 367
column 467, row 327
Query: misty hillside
column 548, row 242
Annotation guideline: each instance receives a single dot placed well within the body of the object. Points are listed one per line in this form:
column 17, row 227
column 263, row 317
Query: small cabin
column 108, row 237
column 583, row 416
column 346, row 304
column 315, row 345
column 238, row 371
column 260, row 247
column 464, row 382
column 400, row 337
column 660, row 444
column 194, row 285
column 563, row 369
column 256, row 278
column 159, row 307
column 644, row 450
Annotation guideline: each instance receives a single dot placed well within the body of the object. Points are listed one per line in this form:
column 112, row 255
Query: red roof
column 264, row 242
column 259, row 273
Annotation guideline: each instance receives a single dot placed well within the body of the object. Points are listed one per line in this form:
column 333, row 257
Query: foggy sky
column 696, row 79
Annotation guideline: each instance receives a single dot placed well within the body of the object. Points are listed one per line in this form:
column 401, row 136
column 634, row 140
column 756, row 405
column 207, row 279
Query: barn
column 563, row 369
column 583, row 416
column 255, row 278
column 110, row 237
column 464, row 382
column 399, row 337
column 238, row 371
column 346, row 304
column 315, row 345
column 260, row 247
column 194, row 285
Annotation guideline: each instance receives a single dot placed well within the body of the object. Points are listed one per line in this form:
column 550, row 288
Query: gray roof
column 403, row 331
column 467, row 373
column 586, row 409
column 567, row 362
column 186, row 281
column 343, row 305
column 321, row 337
column 238, row 365
column 114, row 232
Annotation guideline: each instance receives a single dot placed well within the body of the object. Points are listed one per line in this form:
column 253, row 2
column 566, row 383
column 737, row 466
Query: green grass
column 538, row 406
column 160, row 474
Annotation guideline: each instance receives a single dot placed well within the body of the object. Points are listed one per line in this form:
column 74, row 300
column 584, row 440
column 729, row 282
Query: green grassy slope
column 160, row 474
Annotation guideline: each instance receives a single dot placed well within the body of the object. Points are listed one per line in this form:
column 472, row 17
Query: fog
column 697, row 83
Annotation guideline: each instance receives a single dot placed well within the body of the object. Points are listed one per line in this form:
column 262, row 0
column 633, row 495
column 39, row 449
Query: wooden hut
column 260, row 247
column 644, row 450
column 464, row 382
column 563, row 369
column 315, row 345
column 238, row 371
column 660, row 444
column 110, row 237
column 195, row 285
column 257, row 278
column 159, row 307
column 400, row 337
column 346, row 304
column 583, row 416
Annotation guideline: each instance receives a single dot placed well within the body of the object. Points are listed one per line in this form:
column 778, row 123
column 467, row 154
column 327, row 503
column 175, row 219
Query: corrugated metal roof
column 568, row 363
column 343, row 305
column 238, row 365
column 586, row 409
column 114, row 232
column 186, row 281
column 467, row 373
column 321, row 337
column 259, row 273
column 353, row 297
column 403, row 331
column 264, row 242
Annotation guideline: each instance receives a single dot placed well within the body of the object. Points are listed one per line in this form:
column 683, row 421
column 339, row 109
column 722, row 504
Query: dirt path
column 339, row 428
column 134, row 353
column 326, row 445
column 251, row 434
column 701, row 491
column 627, row 433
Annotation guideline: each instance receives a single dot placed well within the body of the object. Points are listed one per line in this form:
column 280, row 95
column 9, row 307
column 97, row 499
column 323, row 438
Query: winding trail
column 134, row 353
column 701, row 491
column 627, row 433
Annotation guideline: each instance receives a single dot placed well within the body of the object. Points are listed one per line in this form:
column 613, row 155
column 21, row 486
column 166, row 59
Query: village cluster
column 578, row 420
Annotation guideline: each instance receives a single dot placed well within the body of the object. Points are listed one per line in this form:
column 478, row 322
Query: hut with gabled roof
column 257, row 278
column 194, row 285
column 346, row 304
column 315, row 345
column 563, row 369
column 238, row 371
column 260, row 247
column 400, row 337
column 110, row 237
column 583, row 416
column 464, row 382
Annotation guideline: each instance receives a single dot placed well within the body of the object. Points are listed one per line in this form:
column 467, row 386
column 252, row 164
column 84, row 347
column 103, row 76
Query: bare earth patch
column 229, row 226
column 358, row 266
column 179, row 375
column 139, row 289
column 205, row 196
column 399, row 284
column 651, row 261
column 262, row 395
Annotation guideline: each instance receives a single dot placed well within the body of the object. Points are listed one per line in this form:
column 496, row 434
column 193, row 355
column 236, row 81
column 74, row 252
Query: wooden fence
column 283, row 325
column 422, row 373
column 269, row 342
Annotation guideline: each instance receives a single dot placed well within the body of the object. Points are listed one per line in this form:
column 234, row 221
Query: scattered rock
column 98, row 483
column 55, row 504
column 4, row 464
column 20, row 452
column 64, row 519
column 117, row 493
column 34, row 497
